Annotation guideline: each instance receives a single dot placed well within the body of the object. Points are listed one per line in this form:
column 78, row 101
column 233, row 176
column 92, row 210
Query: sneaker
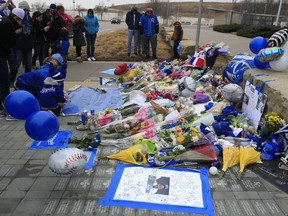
column 154, row 57
column 93, row 58
column 89, row 59
column 128, row 54
column 135, row 53
column 10, row 118
column 79, row 60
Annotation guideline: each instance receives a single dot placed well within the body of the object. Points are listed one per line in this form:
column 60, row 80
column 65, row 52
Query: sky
column 68, row 4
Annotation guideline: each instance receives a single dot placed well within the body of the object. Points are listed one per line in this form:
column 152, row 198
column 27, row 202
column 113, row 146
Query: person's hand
column 18, row 31
column 47, row 28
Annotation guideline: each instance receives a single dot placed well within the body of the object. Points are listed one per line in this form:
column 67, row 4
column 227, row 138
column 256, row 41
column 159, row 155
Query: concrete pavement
column 28, row 187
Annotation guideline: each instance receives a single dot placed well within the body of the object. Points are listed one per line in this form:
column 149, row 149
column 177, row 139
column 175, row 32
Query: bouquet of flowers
column 272, row 123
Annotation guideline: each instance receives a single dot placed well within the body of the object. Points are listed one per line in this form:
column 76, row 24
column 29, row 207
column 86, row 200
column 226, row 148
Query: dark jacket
column 56, row 24
column 25, row 40
column 178, row 32
column 8, row 36
column 38, row 32
column 132, row 20
column 78, row 29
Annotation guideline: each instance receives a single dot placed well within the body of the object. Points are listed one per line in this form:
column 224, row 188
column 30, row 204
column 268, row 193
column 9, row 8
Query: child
column 177, row 36
column 51, row 97
column 64, row 44
column 78, row 38
column 34, row 81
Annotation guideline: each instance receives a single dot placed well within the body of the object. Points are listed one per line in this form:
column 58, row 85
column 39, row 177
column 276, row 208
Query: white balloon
column 281, row 64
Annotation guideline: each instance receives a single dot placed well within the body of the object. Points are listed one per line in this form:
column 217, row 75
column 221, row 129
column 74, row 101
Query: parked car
column 115, row 20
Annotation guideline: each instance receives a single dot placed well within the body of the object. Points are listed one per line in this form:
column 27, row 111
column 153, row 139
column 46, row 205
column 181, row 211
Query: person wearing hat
column 53, row 24
column 177, row 36
column 22, row 51
column 149, row 28
column 12, row 26
column 6, row 7
column 132, row 21
column 78, row 38
column 39, row 39
column 34, row 81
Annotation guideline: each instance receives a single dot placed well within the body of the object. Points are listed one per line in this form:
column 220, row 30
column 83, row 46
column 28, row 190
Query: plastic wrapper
column 231, row 157
column 248, row 155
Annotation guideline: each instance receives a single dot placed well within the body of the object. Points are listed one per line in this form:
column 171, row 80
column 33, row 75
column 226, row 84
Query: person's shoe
column 128, row 54
column 139, row 52
column 79, row 60
column 10, row 118
column 154, row 57
column 89, row 59
column 135, row 53
column 93, row 58
column 147, row 57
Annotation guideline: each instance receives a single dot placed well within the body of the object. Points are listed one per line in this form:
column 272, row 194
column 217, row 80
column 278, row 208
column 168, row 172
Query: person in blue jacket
column 91, row 30
column 34, row 81
column 149, row 28
column 51, row 97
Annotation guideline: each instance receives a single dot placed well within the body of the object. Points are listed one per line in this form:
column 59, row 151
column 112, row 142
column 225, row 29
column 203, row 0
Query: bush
column 248, row 31
column 227, row 28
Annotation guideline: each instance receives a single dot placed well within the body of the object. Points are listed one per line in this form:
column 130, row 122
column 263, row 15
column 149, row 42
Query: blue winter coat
column 34, row 81
column 91, row 25
column 51, row 94
column 149, row 24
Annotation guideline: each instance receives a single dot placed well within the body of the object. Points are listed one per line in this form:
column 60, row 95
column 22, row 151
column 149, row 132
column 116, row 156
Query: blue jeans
column 90, row 39
column 147, row 40
column 19, row 55
column 4, row 81
column 131, row 34
column 38, row 53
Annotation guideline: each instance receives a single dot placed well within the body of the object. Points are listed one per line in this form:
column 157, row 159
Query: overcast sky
column 91, row 3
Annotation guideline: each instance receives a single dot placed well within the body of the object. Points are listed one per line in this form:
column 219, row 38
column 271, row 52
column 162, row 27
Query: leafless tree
column 101, row 8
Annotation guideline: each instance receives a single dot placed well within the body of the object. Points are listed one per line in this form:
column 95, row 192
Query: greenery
column 248, row 31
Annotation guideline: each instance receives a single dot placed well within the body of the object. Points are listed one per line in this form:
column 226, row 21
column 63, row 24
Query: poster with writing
column 253, row 103
column 160, row 186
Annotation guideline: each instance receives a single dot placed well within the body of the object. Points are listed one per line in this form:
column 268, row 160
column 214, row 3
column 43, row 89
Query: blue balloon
column 257, row 43
column 20, row 104
column 42, row 125
column 179, row 48
column 259, row 64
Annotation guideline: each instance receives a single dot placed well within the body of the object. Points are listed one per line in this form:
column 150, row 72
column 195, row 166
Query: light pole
column 279, row 11
column 198, row 25
column 73, row 1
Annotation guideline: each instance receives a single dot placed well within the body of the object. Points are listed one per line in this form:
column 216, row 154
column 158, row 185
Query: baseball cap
column 53, row 6
column 268, row 151
column 58, row 57
column 149, row 8
column 20, row 13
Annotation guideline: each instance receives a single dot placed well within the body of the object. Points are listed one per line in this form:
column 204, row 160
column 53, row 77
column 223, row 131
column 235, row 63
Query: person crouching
column 51, row 96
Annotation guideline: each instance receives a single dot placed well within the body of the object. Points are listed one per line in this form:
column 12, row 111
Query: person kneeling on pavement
column 51, row 97
column 34, row 81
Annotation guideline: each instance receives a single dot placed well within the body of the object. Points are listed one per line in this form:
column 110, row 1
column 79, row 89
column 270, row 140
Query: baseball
column 67, row 161
column 213, row 170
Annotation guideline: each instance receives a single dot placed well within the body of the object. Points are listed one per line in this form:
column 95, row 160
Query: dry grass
column 113, row 47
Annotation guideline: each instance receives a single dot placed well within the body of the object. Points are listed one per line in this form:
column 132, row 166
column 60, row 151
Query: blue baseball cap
column 268, row 151
column 53, row 6
column 58, row 57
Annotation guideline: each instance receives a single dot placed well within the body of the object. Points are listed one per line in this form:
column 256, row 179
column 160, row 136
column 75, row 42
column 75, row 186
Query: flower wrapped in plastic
column 231, row 157
column 248, row 155
column 137, row 154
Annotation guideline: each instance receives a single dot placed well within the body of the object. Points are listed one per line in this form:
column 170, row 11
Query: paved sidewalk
column 28, row 187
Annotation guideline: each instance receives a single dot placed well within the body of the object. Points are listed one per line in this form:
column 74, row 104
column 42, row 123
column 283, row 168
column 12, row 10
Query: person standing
column 177, row 36
column 53, row 24
column 79, row 39
column 22, row 50
column 132, row 21
column 149, row 28
column 91, row 30
column 38, row 39
column 12, row 26
column 67, row 19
